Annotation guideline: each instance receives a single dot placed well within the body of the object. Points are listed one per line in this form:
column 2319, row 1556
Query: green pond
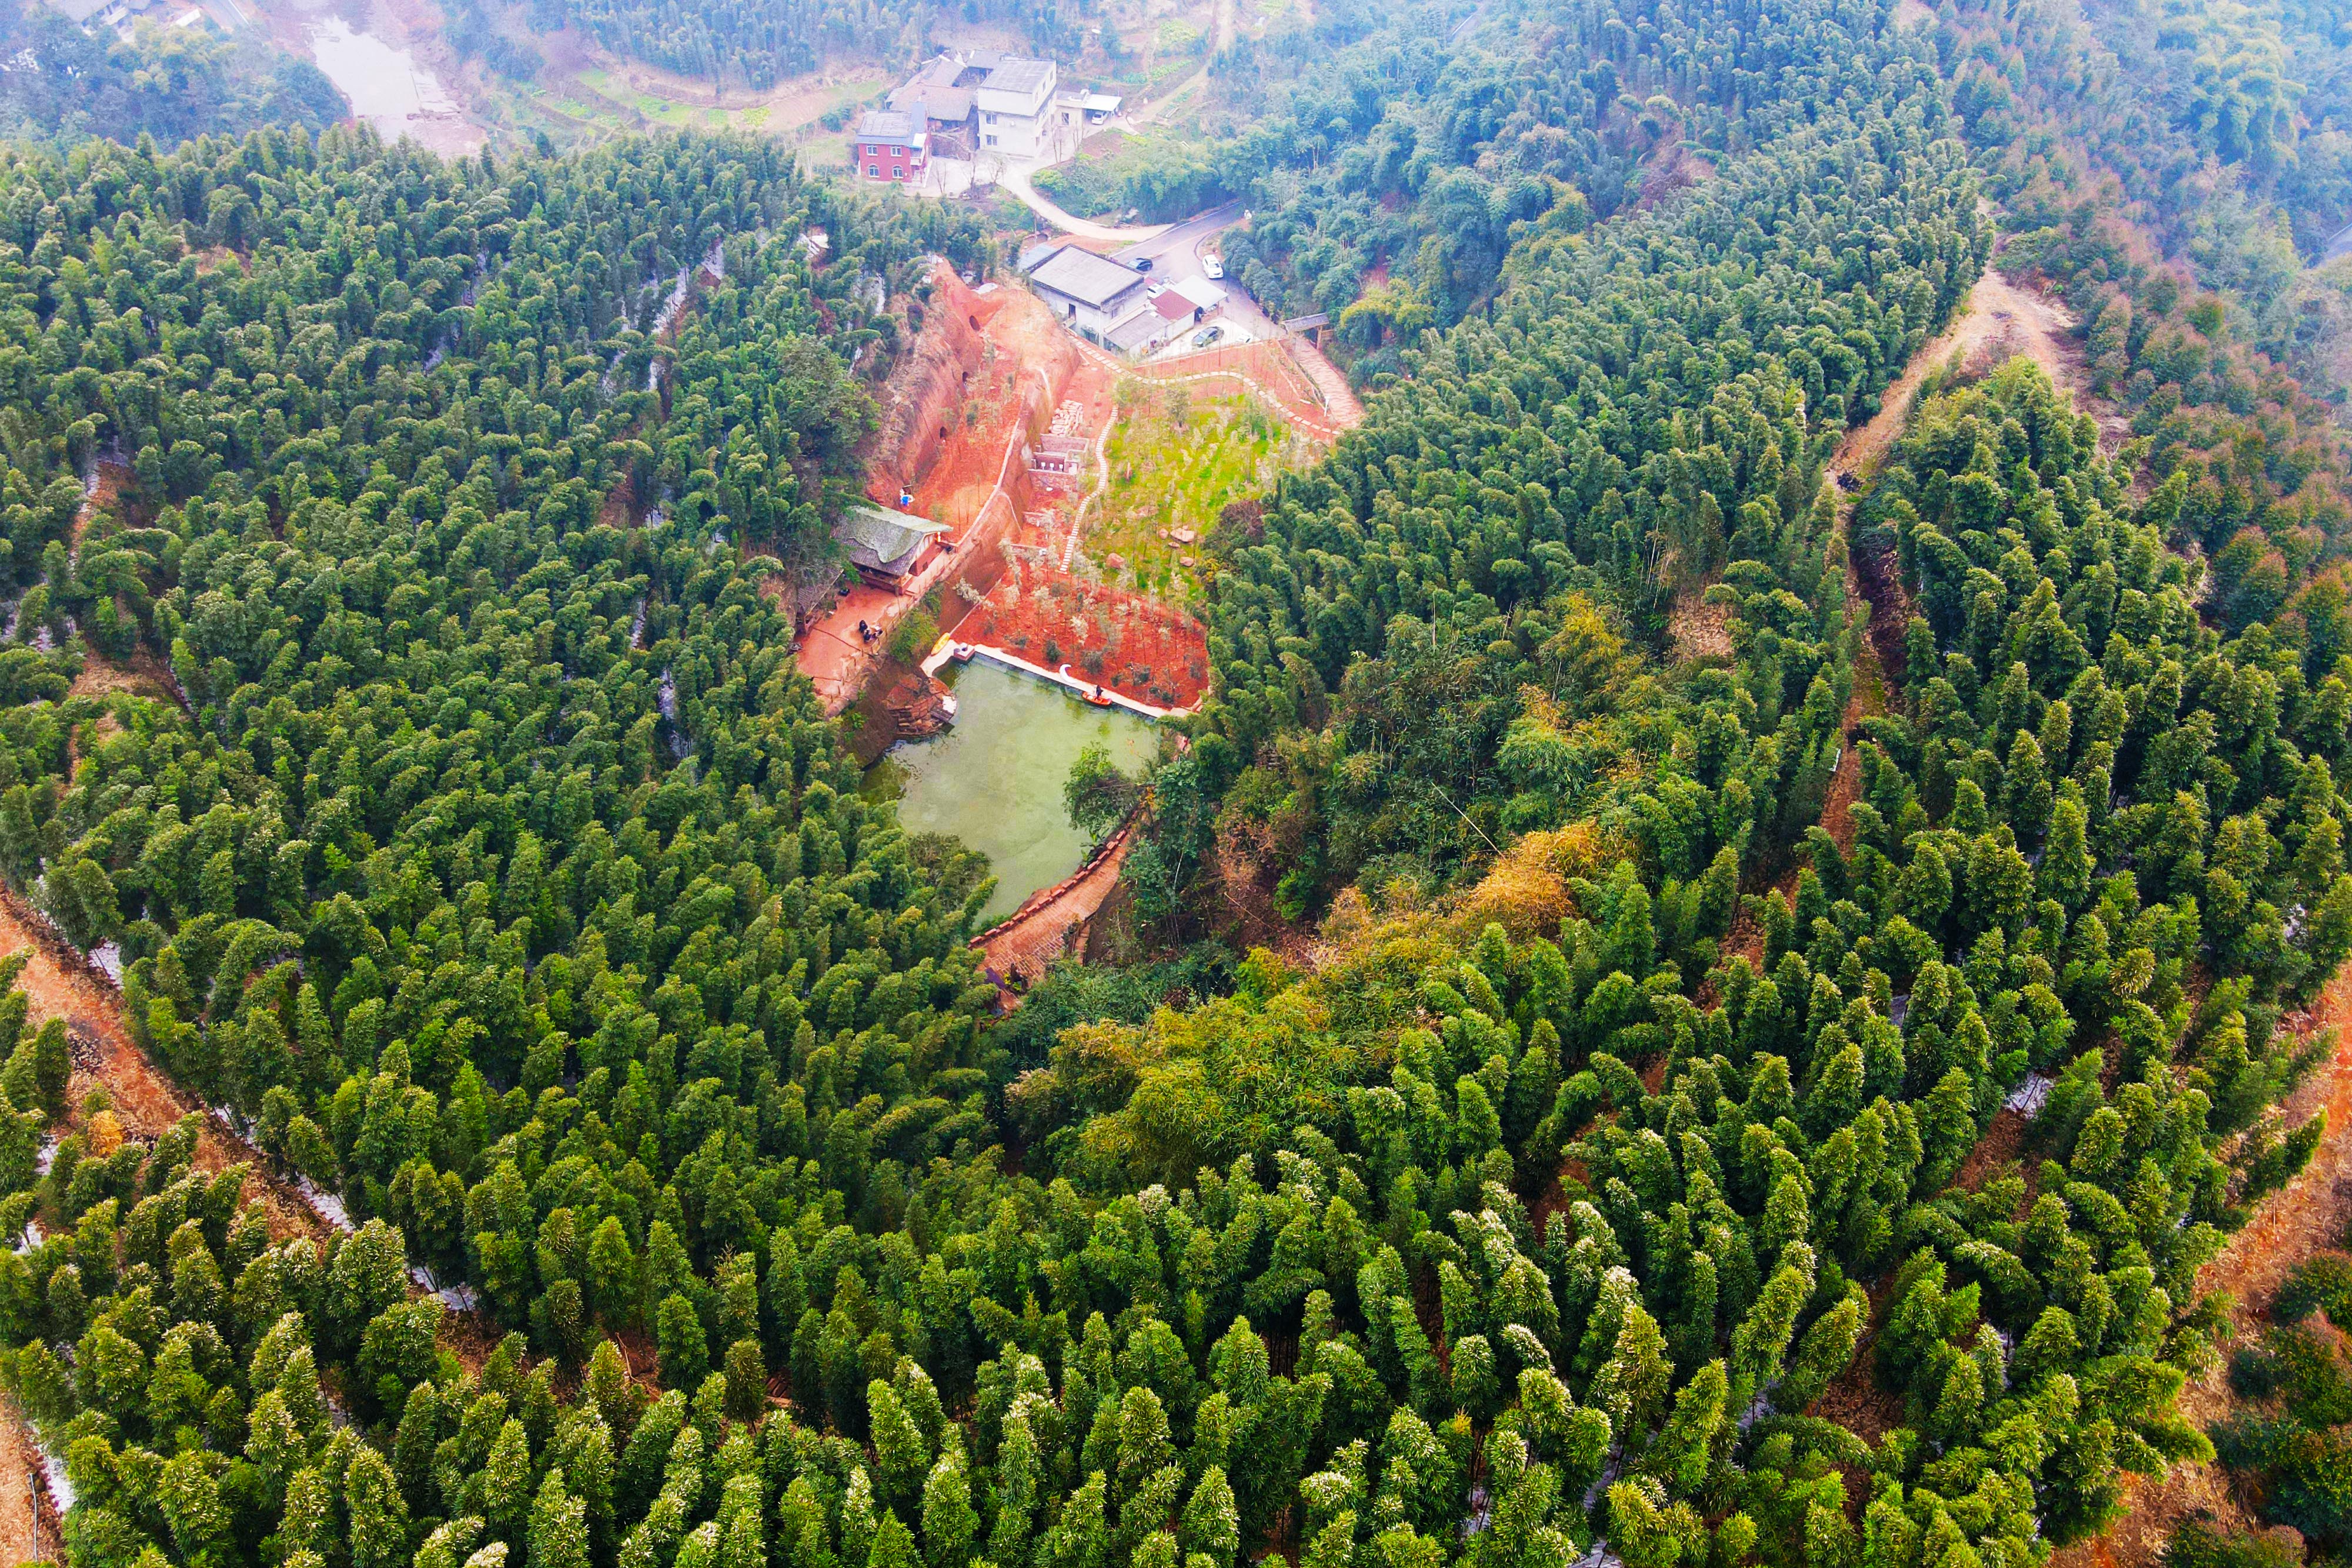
column 995, row 779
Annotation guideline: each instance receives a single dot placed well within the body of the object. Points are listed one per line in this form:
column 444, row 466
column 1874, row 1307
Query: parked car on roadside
column 1143, row 264
column 1211, row 267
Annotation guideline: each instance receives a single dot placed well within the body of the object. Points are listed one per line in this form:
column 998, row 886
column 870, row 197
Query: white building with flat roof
column 1019, row 117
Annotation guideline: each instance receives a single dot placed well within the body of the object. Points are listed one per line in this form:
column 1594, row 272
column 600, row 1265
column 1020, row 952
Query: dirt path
column 29, row 1523
column 145, row 675
column 2308, row 1215
column 1279, row 372
column 1347, row 409
column 1101, row 487
column 1016, row 179
column 1222, row 31
column 1027, row 942
column 2311, row 1213
column 58, row 985
column 2002, row 320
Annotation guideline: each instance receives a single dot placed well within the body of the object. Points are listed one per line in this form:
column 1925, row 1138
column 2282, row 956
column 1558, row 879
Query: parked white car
column 1211, row 267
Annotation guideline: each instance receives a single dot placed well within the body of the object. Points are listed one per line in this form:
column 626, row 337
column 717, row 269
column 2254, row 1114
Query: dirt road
column 58, row 985
column 2308, row 1215
column 2003, row 318
column 2000, row 319
column 1026, row 944
column 1015, row 179
column 29, row 1523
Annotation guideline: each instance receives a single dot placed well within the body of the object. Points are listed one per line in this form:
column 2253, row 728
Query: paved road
column 2339, row 243
column 1176, row 253
column 1175, row 247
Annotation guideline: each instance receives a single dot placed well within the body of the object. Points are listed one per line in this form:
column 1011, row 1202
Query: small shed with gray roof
column 887, row 546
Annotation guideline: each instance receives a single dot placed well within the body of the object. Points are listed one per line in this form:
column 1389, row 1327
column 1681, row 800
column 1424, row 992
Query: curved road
column 1016, row 179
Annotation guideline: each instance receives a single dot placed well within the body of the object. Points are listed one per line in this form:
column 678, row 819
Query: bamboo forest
column 1703, row 906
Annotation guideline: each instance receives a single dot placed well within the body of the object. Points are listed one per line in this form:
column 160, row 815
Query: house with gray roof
column 887, row 548
column 891, row 144
column 1092, row 294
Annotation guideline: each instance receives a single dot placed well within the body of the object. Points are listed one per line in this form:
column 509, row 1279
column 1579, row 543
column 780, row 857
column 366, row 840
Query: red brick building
column 891, row 145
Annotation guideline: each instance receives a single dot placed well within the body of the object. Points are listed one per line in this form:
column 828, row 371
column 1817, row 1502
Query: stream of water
column 994, row 780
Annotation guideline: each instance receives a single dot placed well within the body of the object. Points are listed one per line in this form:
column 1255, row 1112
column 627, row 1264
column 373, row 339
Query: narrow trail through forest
column 2310, row 1214
column 28, row 1520
column 58, row 983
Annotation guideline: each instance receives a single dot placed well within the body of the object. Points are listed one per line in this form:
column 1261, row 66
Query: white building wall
column 1080, row 316
column 1020, row 125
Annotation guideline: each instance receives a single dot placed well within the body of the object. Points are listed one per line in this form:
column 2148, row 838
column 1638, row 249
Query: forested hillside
column 1669, row 1149
column 753, row 44
column 2216, row 137
column 172, row 83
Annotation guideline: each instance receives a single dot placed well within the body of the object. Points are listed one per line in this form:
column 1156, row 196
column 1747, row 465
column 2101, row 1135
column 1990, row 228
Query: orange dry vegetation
column 1525, row 891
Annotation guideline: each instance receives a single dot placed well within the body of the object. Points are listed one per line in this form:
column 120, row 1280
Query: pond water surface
column 994, row 780
column 386, row 85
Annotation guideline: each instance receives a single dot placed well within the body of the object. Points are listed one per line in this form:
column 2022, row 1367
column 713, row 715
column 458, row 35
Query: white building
column 90, row 14
column 1019, row 117
column 1105, row 302
column 1090, row 293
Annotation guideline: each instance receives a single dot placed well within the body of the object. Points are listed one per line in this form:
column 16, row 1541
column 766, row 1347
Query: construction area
column 996, row 431
column 1040, row 514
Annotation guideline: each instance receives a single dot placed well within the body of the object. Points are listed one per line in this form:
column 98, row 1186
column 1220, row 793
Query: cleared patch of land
column 1177, row 459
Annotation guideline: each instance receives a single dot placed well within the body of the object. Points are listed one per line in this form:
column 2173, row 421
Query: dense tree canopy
column 165, row 82
column 468, row 839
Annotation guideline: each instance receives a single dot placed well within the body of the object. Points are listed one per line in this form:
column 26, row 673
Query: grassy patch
column 1162, row 177
column 825, row 154
column 1177, row 458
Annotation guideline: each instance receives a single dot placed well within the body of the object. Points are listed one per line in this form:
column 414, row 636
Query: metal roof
column 1142, row 330
column 885, row 541
column 933, row 101
column 890, row 125
column 77, row 10
column 1018, row 76
column 1200, row 291
column 1083, row 276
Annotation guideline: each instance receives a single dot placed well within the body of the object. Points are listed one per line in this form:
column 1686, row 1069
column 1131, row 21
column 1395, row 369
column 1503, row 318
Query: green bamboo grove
column 469, row 840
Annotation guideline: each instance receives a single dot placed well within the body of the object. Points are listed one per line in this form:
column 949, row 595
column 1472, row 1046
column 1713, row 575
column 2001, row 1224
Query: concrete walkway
column 944, row 650
column 1022, row 946
column 1347, row 409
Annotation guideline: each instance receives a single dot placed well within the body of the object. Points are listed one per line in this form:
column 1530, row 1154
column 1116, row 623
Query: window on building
column 873, row 171
column 898, row 174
